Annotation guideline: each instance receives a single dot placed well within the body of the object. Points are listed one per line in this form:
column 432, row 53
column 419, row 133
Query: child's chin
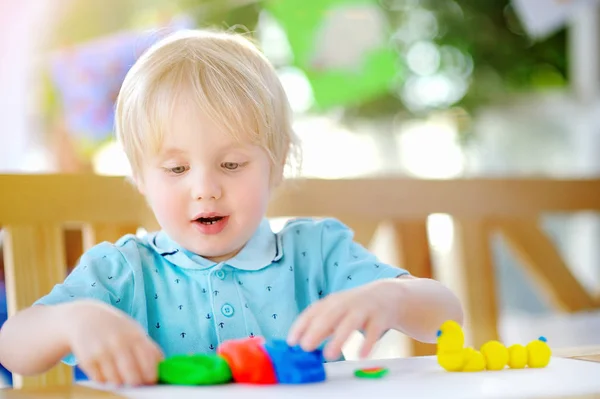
column 213, row 253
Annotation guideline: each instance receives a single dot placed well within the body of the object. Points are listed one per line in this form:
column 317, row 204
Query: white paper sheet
column 415, row 377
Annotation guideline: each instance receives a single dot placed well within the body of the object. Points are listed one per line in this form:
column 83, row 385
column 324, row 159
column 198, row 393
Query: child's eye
column 230, row 165
column 177, row 170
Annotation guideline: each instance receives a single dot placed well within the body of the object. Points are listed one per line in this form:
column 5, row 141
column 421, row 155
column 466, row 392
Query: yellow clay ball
column 475, row 361
column 450, row 337
column 538, row 353
column 517, row 356
column 451, row 361
column 495, row 354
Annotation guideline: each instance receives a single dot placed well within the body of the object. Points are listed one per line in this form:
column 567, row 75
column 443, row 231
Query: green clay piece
column 194, row 370
column 375, row 372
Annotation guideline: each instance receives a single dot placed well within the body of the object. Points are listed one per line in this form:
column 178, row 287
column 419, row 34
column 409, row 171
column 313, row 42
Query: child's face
column 202, row 172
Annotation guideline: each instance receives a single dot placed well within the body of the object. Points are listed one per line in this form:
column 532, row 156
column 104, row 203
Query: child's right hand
column 110, row 346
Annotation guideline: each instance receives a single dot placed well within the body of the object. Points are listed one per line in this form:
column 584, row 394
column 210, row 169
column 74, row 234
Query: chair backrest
column 48, row 220
column 39, row 215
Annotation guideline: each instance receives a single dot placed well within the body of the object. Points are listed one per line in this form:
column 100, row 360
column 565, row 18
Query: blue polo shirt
column 189, row 304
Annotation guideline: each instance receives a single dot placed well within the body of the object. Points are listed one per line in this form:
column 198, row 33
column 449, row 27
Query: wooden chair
column 38, row 214
column 48, row 220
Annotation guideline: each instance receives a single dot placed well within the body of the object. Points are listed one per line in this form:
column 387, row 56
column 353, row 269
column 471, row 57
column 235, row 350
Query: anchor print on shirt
column 207, row 316
column 269, row 288
column 177, row 280
column 180, row 307
column 157, row 325
column 211, row 347
column 216, row 292
column 274, row 316
column 183, row 335
column 221, row 324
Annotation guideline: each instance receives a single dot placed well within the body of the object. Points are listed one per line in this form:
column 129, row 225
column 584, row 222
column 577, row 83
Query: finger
column 92, row 371
column 92, row 365
column 148, row 356
column 350, row 323
column 302, row 323
column 322, row 326
column 126, row 363
column 373, row 332
column 110, row 371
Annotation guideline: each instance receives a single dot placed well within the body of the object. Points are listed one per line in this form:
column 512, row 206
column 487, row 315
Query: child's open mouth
column 212, row 220
column 210, row 225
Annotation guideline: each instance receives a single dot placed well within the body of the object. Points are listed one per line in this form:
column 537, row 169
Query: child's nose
column 206, row 188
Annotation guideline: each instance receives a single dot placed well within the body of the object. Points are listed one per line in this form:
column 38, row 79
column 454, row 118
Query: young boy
column 205, row 124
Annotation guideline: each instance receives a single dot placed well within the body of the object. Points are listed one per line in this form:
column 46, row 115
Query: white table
column 417, row 377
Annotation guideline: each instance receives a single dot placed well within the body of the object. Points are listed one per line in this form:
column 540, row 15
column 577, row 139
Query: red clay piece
column 248, row 361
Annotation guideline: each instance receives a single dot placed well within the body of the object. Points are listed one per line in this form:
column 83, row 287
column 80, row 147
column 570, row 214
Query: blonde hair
column 231, row 81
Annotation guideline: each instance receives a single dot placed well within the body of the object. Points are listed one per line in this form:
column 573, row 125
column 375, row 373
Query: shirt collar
column 263, row 248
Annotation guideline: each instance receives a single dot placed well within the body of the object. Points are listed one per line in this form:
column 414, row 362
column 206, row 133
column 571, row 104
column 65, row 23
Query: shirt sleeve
column 347, row 264
column 102, row 274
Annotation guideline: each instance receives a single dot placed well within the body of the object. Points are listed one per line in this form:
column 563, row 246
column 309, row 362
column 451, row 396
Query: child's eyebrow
column 234, row 147
column 169, row 152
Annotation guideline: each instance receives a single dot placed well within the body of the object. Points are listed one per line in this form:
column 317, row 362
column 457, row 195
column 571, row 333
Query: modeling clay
column 538, row 353
column 453, row 356
column 373, row 372
column 194, row 370
column 293, row 365
column 496, row 355
column 248, row 360
column 517, row 356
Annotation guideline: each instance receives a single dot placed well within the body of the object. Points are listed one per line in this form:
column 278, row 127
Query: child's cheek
column 256, row 196
column 168, row 204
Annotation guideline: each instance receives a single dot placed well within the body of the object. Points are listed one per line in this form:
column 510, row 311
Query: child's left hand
column 372, row 308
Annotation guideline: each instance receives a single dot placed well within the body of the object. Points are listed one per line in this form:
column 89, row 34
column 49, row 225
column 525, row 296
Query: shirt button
column 227, row 310
column 220, row 274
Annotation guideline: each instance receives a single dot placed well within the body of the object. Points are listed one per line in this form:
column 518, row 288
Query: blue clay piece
column 293, row 365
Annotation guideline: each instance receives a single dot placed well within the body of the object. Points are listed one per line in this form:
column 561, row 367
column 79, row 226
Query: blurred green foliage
column 484, row 39
column 504, row 59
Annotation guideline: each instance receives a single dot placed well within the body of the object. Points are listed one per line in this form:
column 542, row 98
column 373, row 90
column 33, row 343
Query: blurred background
column 427, row 89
